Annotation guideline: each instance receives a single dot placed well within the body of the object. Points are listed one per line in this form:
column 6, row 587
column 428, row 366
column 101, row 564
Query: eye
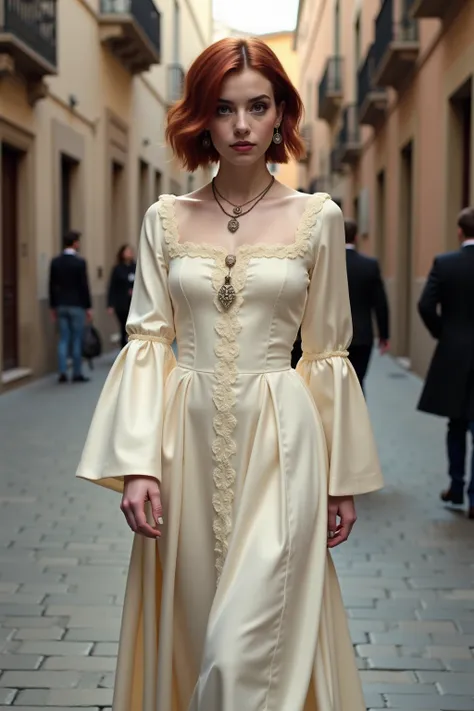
column 259, row 107
column 223, row 110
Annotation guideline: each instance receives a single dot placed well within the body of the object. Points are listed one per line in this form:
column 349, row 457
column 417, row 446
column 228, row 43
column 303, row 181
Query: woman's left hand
column 342, row 506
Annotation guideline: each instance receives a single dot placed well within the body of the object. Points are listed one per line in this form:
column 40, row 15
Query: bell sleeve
column 326, row 334
column 125, row 435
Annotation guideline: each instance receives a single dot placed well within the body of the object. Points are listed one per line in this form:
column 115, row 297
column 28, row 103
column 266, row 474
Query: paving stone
column 78, row 599
column 30, row 622
column 54, row 648
column 460, row 665
column 449, row 653
column 105, row 649
column 35, row 633
column 93, row 634
column 443, row 703
column 19, row 661
column 414, row 663
column 399, row 638
column 40, row 679
column 449, row 682
column 19, row 598
column 7, row 696
column 426, row 626
column 80, row 664
column 390, row 677
column 406, row 689
column 366, row 650
column 20, row 610
column 66, row 697
column 453, row 640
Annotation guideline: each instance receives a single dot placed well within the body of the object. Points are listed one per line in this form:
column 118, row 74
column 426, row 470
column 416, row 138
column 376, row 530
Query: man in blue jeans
column 70, row 304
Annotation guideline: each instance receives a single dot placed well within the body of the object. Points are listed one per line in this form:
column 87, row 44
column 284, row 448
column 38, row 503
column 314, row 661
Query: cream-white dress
column 238, row 607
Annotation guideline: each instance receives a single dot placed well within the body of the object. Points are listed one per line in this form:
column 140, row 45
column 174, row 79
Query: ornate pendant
column 233, row 225
column 237, row 210
column 227, row 294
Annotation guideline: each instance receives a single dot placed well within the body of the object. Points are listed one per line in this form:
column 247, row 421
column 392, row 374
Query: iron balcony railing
column 33, row 22
column 175, row 82
column 144, row 12
column 365, row 84
column 350, row 131
column 393, row 27
column 331, row 82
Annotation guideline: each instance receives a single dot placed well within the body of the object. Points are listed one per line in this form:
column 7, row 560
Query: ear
column 280, row 112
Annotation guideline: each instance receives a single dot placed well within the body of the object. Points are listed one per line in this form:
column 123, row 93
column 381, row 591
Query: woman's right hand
column 137, row 491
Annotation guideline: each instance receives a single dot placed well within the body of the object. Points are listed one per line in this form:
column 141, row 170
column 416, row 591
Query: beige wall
column 118, row 116
column 419, row 112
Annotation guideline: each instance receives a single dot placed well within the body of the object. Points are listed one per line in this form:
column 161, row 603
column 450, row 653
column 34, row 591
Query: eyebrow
column 250, row 101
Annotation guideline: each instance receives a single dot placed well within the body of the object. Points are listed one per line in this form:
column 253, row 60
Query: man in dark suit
column 447, row 309
column 368, row 299
column 70, row 304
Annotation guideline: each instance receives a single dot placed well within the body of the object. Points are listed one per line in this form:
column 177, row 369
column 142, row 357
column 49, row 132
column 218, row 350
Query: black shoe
column 452, row 497
column 80, row 379
column 62, row 378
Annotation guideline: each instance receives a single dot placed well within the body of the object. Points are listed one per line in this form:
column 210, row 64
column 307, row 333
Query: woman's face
column 128, row 254
column 245, row 118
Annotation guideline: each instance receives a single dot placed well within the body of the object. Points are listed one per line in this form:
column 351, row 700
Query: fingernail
column 160, row 520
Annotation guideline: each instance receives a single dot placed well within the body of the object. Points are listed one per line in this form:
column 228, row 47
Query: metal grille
column 144, row 12
column 33, row 21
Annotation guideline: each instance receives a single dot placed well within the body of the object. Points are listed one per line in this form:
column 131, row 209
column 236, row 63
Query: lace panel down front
column 227, row 329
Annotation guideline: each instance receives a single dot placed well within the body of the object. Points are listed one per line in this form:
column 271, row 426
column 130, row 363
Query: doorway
column 10, row 278
column 459, row 157
column 405, row 268
column 380, row 220
column 118, row 202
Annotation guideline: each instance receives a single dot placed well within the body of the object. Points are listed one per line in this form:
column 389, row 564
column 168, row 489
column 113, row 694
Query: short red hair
column 190, row 116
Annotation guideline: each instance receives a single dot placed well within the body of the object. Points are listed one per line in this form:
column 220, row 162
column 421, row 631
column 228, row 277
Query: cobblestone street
column 407, row 573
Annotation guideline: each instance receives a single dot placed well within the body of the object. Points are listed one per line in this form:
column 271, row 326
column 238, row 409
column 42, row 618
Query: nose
column 241, row 123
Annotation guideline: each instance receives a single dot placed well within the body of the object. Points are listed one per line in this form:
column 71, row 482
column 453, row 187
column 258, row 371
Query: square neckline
column 297, row 247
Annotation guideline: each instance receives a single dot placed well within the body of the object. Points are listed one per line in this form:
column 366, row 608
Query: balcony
column 28, row 40
column 330, row 90
column 348, row 141
column 372, row 100
column 131, row 29
column 396, row 45
column 306, row 133
column 421, row 9
column 175, row 83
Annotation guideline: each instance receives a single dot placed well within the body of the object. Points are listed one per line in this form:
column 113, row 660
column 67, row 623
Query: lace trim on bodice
column 227, row 328
column 203, row 250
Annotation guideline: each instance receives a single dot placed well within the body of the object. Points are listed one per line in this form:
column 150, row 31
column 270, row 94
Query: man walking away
column 70, row 303
column 447, row 309
column 368, row 298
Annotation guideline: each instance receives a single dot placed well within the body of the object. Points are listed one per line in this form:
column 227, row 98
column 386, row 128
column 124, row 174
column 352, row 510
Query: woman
column 121, row 287
column 242, row 469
